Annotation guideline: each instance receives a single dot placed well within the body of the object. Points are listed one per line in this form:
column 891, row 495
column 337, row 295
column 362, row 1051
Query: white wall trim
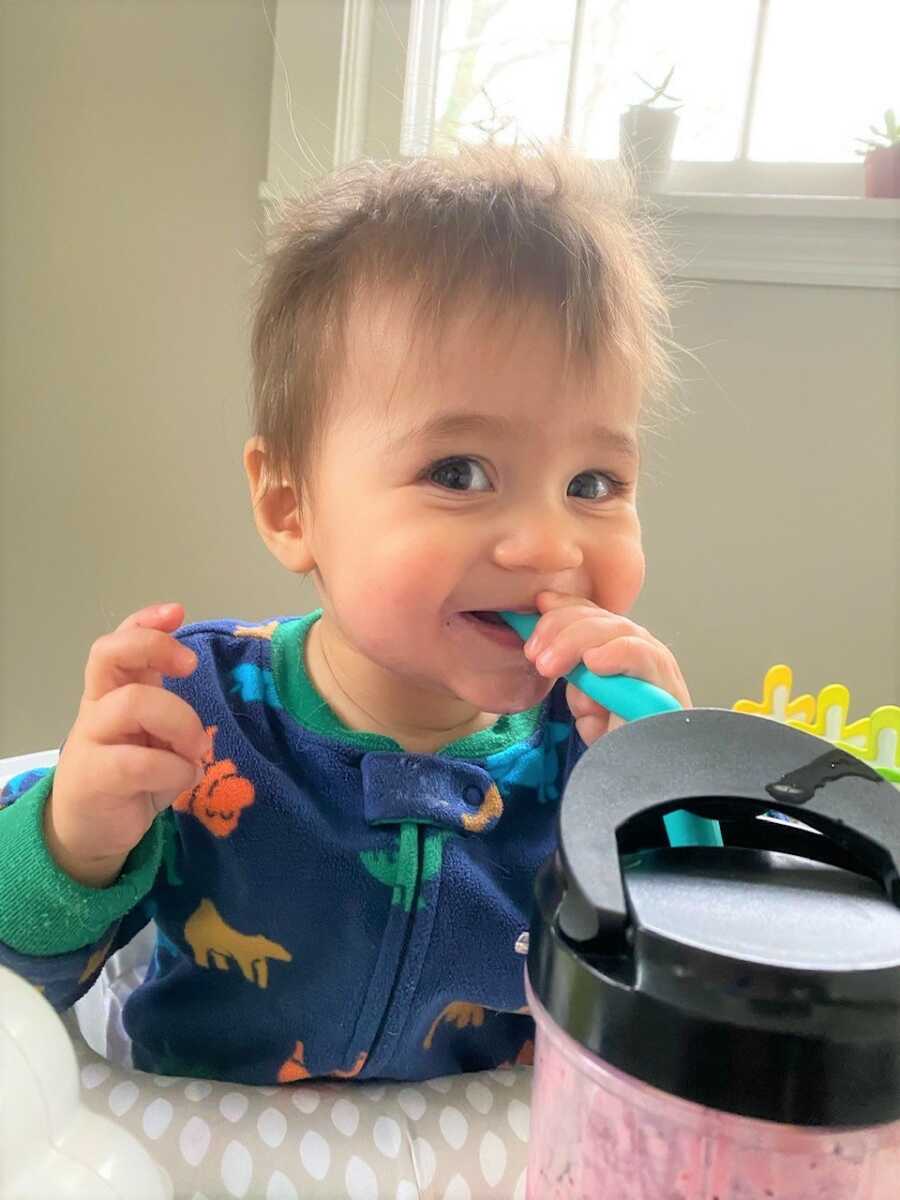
column 422, row 49
column 823, row 241
column 747, row 177
column 353, row 80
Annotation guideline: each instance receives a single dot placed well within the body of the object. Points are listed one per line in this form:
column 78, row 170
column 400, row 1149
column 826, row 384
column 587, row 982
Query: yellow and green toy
column 875, row 738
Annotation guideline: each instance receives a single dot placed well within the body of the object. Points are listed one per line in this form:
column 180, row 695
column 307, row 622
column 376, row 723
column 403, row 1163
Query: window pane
column 828, row 72
column 710, row 45
column 503, row 70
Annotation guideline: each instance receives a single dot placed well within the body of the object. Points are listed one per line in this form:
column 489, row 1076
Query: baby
column 335, row 820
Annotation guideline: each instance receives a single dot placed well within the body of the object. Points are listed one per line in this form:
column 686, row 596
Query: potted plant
column 882, row 159
column 647, row 133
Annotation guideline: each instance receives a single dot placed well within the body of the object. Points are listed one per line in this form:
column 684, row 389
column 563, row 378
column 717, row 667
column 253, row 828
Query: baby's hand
column 573, row 630
column 134, row 746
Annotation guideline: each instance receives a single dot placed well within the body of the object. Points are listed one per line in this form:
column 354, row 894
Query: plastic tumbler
column 718, row 1023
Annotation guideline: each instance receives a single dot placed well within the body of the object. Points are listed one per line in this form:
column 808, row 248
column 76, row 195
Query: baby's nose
column 547, row 547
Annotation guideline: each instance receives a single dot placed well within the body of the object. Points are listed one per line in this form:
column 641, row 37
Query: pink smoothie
column 598, row 1134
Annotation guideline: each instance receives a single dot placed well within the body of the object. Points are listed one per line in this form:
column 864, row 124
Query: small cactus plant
column 647, row 134
column 882, row 159
column 889, row 136
column 659, row 92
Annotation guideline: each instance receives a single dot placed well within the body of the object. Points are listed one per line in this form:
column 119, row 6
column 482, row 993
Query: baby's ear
column 276, row 511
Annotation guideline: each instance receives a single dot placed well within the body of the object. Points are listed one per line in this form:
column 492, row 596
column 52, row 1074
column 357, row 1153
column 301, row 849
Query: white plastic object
column 11, row 767
column 50, row 1143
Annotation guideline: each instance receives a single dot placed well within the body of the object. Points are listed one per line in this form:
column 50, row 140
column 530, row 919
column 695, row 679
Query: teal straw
column 631, row 699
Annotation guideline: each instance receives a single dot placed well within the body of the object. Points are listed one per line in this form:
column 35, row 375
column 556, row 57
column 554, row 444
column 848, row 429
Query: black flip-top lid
column 760, row 978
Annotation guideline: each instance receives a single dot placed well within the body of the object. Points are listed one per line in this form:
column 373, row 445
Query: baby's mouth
column 491, row 627
column 492, row 618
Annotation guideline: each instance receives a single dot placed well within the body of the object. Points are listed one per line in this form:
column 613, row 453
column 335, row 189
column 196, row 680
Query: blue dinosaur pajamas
column 325, row 902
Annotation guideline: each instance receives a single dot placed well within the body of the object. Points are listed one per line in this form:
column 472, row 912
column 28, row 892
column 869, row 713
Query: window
column 773, row 93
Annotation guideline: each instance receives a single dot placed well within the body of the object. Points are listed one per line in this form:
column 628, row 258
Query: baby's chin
column 505, row 697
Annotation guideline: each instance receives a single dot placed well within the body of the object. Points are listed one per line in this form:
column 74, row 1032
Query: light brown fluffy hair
column 514, row 226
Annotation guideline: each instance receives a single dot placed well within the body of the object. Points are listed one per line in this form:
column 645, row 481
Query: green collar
column 309, row 709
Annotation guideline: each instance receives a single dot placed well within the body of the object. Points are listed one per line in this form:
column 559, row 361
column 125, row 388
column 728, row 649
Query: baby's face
column 413, row 531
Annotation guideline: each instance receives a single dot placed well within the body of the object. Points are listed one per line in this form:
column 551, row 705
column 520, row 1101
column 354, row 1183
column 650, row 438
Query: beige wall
column 771, row 513
column 133, row 141
column 134, row 136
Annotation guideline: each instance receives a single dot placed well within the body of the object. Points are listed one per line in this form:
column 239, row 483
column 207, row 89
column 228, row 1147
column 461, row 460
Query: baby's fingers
column 155, row 616
column 592, row 720
column 134, row 655
column 581, row 705
column 136, row 712
column 130, row 770
column 641, row 659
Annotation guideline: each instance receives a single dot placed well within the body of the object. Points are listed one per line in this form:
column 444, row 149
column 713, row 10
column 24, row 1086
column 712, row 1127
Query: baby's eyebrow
column 447, row 425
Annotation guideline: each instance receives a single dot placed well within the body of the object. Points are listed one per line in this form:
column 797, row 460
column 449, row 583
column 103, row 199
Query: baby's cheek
column 379, row 620
column 418, row 581
column 623, row 577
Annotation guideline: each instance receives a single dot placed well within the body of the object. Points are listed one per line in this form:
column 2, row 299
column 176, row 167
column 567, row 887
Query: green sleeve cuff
column 43, row 911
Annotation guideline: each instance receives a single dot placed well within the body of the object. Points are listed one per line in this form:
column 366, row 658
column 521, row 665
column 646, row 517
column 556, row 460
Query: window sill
column 830, row 241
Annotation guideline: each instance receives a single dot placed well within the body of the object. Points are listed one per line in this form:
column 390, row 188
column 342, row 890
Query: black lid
column 761, row 977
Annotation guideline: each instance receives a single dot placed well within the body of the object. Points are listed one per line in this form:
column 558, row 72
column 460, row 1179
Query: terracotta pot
column 646, row 137
column 883, row 172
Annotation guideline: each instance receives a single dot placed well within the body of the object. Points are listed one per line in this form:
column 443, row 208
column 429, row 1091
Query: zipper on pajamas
column 407, row 936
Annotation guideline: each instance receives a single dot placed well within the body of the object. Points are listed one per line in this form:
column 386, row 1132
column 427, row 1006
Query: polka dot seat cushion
column 459, row 1138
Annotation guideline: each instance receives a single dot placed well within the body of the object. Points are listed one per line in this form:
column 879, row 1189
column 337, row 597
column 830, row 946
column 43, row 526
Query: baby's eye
column 601, row 487
column 457, row 472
